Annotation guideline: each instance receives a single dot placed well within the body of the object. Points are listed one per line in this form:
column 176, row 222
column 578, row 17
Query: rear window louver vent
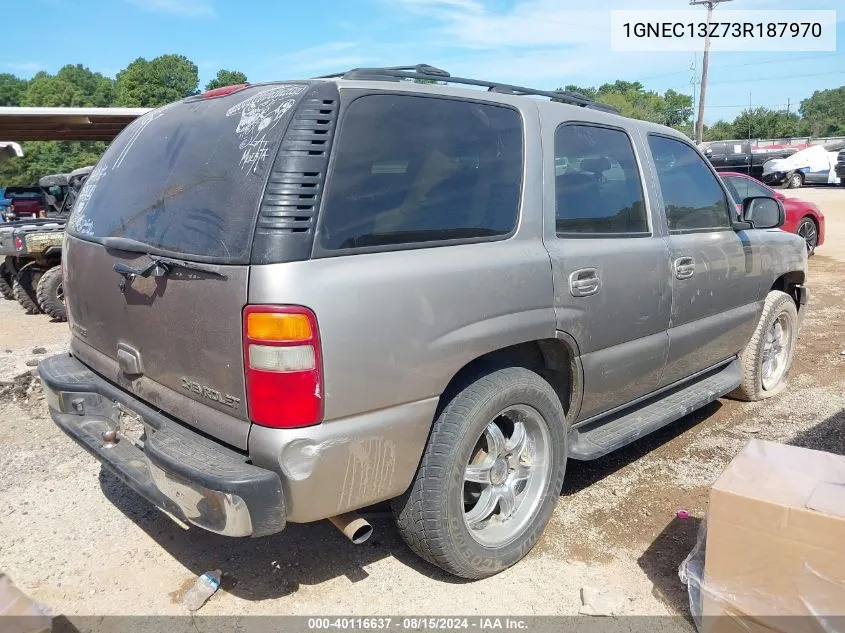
column 288, row 213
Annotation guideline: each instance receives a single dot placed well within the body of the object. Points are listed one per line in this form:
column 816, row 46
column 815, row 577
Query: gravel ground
column 74, row 538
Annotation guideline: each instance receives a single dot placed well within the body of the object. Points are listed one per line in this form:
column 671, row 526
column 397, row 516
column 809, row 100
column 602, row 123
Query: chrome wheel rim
column 796, row 181
column 808, row 231
column 506, row 477
column 776, row 348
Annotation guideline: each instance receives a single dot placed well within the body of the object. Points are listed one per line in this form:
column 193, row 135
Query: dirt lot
column 77, row 540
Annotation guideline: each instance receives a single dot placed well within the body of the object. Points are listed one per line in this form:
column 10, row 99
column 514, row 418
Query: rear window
column 188, row 178
column 411, row 170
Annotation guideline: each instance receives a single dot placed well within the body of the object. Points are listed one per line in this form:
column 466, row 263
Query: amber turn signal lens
column 273, row 326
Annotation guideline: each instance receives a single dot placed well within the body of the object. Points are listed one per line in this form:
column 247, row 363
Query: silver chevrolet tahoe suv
column 290, row 301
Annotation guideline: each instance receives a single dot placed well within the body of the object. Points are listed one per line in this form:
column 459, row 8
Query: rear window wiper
column 159, row 266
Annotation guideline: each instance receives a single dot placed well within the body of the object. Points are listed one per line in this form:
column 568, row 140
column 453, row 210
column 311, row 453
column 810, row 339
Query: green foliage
column 150, row 84
column 226, row 78
column 11, row 89
column 757, row 123
column 824, row 112
column 72, row 86
column 42, row 158
column 633, row 100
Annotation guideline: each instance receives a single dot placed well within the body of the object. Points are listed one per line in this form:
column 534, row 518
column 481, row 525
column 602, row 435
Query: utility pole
column 699, row 124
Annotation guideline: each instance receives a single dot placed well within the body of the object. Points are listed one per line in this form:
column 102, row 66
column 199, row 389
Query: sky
column 540, row 43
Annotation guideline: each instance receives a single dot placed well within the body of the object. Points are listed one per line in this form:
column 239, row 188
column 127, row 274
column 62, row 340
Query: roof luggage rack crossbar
column 431, row 73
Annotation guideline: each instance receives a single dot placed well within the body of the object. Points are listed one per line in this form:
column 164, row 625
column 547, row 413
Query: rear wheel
column 766, row 359
column 795, row 181
column 50, row 294
column 5, row 282
column 490, row 476
column 809, row 231
column 24, row 287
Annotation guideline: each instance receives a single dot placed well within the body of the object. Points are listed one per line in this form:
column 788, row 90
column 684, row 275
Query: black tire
column 50, row 294
column 794, row 181
column 24, row 287
column 809, row 230
column 430, row 515
column 752, row 388
column 5, row 282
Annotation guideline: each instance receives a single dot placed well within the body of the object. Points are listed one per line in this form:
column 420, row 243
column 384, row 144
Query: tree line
column 821, row 114
column 143, row 83
column 155, row 82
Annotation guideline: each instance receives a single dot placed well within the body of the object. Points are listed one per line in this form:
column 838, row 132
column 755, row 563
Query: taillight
column 283, row 366
column 18, row 244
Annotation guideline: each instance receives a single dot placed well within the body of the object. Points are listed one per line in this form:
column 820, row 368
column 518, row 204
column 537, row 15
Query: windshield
column 187, row 178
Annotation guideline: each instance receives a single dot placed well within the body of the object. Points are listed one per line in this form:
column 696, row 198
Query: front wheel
column 808, row 230
column 766, row 360
column 5, row 282
column 490, row 475
column 794, row 181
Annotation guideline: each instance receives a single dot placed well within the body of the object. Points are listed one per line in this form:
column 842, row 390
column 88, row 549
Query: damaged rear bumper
column 183, row 473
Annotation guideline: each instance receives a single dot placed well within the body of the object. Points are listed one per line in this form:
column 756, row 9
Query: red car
column 802, row 218
column 27, row 203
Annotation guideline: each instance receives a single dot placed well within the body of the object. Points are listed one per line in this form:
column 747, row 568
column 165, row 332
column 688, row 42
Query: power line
column 757, row 63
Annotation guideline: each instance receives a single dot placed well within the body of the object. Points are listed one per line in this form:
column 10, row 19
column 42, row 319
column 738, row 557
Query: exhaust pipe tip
column 353, row 526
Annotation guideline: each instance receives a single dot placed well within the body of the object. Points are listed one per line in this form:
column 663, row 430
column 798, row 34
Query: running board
column 605, row 435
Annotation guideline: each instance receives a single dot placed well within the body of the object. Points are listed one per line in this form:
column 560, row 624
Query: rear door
column 610, row 264
column 715, row 270
column 184, row 181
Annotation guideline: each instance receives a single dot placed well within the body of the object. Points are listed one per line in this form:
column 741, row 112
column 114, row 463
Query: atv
column 31, row 272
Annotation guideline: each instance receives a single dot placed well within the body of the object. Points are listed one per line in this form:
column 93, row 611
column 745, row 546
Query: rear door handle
column 684, row 267
column 584, row 282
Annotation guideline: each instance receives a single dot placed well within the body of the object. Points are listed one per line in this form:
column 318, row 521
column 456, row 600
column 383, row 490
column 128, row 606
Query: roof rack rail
column 425, row 71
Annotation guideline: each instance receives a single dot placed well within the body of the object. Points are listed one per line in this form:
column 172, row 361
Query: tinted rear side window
column 187, row 178
column 597, row 183
column 411, row 169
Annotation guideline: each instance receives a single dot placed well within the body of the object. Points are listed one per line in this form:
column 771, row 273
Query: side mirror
column 763, row 212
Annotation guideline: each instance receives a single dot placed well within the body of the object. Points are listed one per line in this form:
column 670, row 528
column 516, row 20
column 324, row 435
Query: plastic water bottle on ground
column 205, row 587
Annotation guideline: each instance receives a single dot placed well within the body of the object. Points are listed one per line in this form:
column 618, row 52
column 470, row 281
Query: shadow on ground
column 661, row 560
column 579, row 475
column 826, row 436
column 272, row 566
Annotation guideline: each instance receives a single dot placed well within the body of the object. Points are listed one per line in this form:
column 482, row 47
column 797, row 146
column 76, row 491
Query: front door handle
column 584, row 282
column 684, row 267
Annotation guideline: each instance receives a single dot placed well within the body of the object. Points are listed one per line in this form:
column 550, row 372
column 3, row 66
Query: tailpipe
column 354, row 527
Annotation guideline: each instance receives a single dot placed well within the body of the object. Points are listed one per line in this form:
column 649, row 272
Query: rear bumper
column 181, row 472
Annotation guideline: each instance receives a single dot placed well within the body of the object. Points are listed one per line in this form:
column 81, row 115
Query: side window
column 598, row 190
column 413, row 169
column 693, row 198
column 746, row 188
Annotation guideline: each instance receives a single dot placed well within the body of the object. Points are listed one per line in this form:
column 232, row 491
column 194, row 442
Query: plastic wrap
column 20, row 613
column 771, row 555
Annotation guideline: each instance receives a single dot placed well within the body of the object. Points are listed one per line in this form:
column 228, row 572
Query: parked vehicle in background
column 803, row 218
column 26, row 203
column 840, row 166
column 813, row 165
column 339, row 291
column 31, row 250
column 5, row 203
column 743, row 157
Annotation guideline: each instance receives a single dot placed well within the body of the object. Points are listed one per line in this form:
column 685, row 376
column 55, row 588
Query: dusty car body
column 374, row 289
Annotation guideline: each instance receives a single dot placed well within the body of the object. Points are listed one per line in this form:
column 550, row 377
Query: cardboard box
column 775, row 554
